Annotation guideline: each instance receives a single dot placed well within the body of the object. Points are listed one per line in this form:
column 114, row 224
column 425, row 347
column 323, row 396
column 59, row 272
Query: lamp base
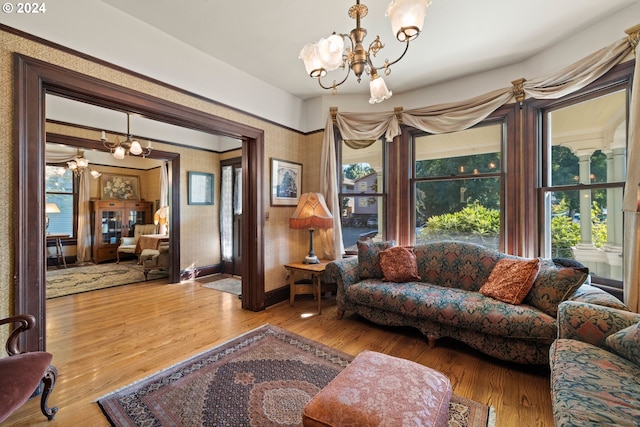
column 311, row 260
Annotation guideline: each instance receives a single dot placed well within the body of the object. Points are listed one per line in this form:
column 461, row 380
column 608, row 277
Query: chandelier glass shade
column 130, row 146
column 79, row 163
column 329, row 54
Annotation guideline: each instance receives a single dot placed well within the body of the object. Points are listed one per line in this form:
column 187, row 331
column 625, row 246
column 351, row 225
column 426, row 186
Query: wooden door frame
column 32, row 80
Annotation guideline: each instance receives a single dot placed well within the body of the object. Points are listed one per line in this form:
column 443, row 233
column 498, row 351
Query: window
column 59, row 187
column 584, row 170
column 457, row 185
column 362, row 193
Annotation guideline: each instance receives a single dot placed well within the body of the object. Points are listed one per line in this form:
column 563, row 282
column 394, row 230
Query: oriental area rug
column 73, row 280
column 262, row 378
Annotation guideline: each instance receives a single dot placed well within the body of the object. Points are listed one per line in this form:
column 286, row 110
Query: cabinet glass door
column 111, row 227
column 137, row 217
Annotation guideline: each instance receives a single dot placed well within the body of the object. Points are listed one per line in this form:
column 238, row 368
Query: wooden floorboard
column 107, row 339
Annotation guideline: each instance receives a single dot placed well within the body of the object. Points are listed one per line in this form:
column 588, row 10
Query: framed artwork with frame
column 286, row 182
column 200, row 188
column 119, row 187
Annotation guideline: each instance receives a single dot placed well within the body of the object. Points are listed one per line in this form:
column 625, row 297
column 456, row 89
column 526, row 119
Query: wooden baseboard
column 275, row 296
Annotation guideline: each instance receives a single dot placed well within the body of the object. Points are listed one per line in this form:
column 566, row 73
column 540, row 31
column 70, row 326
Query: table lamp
column 49, row 208
column 311, row 213
column 161, row 218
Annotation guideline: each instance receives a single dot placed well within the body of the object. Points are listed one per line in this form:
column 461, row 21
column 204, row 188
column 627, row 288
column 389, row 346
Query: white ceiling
column 460, row 37
column 87, row 115
column 264, row 38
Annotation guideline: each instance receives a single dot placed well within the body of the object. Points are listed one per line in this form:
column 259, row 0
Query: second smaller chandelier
column 129, row 146
column 407, row 19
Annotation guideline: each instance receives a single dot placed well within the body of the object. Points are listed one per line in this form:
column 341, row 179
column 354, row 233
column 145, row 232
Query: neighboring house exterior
column 364, row 204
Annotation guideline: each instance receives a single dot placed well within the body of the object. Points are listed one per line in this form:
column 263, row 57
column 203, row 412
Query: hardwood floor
column 107, row 339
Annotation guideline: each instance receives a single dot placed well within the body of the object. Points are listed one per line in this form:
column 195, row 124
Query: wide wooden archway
column 34, row 79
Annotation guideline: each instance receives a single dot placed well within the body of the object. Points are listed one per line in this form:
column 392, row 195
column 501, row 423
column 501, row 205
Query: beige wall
column 281, row 244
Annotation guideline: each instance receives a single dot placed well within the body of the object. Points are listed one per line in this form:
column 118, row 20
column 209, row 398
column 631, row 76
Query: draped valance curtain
column 361, row 128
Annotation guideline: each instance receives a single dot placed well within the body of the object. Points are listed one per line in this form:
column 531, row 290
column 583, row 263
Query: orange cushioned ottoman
column 380, row 390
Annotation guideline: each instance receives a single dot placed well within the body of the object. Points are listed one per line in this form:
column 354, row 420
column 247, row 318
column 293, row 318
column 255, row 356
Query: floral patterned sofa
column 444, row 300
column 595, row 366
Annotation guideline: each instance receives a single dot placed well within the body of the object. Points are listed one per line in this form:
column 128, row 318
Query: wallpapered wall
column 281, row 244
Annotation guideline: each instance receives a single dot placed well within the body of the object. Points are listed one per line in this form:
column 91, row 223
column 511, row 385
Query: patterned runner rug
column 264, row 377
column 73, row 280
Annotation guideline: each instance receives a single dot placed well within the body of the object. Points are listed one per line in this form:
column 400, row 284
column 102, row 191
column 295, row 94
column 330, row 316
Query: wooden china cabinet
column 113, row 219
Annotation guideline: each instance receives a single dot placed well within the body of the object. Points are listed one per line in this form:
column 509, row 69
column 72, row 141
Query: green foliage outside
column 482, row 225
column 356, row 170
column 565, row 233
column 598, row 226
column 473, row 223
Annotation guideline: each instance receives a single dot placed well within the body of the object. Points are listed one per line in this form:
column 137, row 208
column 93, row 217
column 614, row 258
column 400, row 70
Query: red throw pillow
column 399, row 265
column 511, row 279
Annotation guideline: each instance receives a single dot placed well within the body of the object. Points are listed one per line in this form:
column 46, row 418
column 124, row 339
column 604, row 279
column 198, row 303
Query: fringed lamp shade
column 311, row 213
column 161, row 218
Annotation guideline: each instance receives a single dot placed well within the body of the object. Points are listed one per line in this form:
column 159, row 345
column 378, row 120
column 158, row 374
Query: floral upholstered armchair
column 595, row 366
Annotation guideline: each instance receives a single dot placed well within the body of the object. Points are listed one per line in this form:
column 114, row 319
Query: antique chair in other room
column 152, row 259
column 128, row 244
column 21, row 374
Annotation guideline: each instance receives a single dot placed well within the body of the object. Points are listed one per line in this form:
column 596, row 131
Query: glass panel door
column 111, row 227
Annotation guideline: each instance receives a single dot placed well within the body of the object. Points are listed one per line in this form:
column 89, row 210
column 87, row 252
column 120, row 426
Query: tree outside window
column 457, row 186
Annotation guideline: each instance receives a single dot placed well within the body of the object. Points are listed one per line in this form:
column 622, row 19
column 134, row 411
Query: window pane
column 362, row 193
column 471, row 151
column 58, row 179
column 466, row 209
column 59, row 188
column 60, row 222
column 586, row 225
column 360, row 225
column 588, row 141
column 362, row 169
column 587, row 145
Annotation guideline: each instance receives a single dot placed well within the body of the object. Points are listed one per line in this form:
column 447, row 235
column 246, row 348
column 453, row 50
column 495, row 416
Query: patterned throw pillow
column 553, row 285
column 511, row 279
column 369, row 260
column 626, row 343
column 399, row 265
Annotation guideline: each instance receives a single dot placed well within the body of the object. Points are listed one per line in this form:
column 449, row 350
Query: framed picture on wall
column 200, row 188
column 119, row 187
column 286, row 182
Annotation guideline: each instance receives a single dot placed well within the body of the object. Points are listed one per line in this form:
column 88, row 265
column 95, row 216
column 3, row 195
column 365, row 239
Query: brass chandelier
column 129, row 146
column 79, row 163
column 407, row 19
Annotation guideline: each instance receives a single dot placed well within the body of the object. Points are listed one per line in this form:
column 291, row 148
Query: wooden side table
column 316, row 271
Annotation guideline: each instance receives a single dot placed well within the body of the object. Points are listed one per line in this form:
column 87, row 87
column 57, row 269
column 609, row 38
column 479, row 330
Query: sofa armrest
column 343, row 272
column 592, row 323
column 593, row 295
